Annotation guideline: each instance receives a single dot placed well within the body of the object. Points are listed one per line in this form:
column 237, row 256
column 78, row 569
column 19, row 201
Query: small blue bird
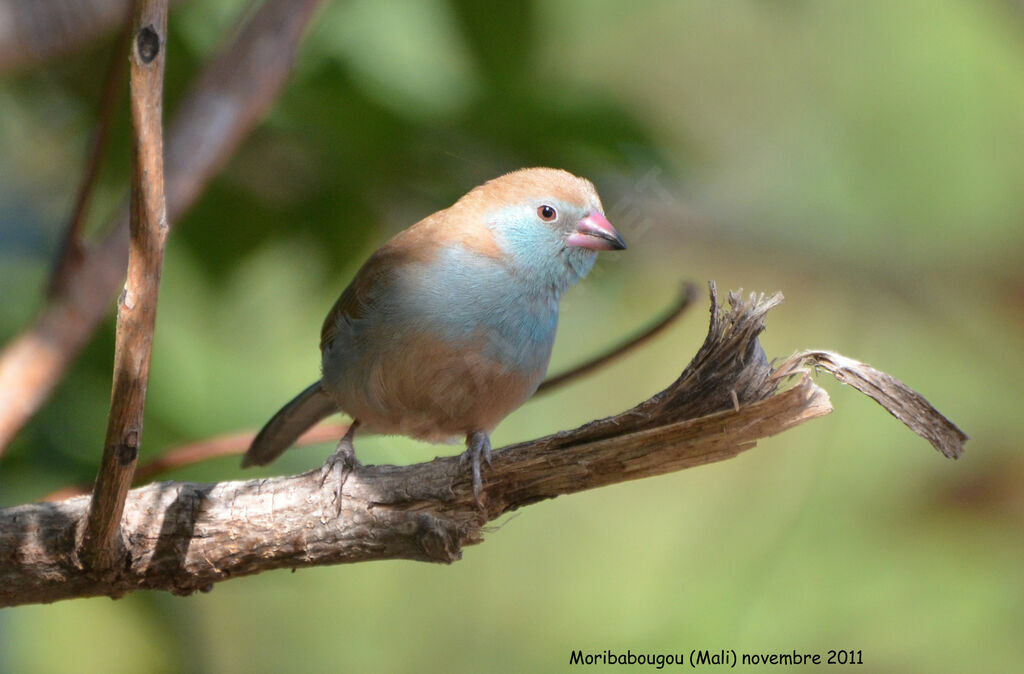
column 448, row 327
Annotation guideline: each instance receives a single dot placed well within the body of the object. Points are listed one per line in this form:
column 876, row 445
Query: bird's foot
column 339, row 466
column 478, row 445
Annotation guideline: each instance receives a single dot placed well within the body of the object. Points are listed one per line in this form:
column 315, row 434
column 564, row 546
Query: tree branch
column 186, row 536
column 136, row 314
column 225, row 104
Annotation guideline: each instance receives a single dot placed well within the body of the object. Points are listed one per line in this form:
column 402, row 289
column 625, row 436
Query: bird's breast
column 449, row 346
column 464, row 297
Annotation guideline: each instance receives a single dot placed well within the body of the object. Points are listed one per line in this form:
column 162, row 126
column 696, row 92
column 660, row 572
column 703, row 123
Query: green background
column 865, row 158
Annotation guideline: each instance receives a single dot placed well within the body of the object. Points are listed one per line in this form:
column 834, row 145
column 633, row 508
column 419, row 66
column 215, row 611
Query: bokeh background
column 865, row 158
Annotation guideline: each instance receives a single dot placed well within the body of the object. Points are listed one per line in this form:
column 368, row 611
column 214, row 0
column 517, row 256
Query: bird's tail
column 285, row 427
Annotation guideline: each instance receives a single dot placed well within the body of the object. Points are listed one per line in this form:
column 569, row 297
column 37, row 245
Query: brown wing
column 354, row 299
column 464, row 222
column 411, row 245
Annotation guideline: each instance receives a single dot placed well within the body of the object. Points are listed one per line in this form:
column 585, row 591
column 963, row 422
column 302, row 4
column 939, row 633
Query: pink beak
column 596, row 233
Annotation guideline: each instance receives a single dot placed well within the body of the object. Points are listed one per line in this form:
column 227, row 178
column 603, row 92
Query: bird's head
column 547, row 223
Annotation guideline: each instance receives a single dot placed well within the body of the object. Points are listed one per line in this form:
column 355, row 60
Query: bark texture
column 136, row 310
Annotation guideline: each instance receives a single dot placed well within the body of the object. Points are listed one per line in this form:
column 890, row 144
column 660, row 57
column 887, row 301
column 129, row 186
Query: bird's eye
column 547, row 213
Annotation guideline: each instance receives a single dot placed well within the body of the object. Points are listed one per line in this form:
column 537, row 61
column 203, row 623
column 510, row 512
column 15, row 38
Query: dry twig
column 186, row 536
column 897, row 398
column 136, row 314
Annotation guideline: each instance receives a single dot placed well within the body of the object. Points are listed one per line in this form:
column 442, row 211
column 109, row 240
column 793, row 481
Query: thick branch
column 136, row 314
column 224, row 105
column 185, row 536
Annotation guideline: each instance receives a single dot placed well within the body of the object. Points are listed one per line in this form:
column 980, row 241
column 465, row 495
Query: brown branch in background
column 225, row 104
column 227, row 444
column 236, row 443
column 136, row 312
column 33, row 32
column 687, row 296
column 72, row 249
column 187, row 536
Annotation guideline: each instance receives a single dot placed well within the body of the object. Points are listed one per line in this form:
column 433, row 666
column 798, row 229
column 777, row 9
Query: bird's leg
column 340, row 465
column 478, row 444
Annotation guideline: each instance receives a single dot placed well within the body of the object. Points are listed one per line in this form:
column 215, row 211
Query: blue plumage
column 449, row 326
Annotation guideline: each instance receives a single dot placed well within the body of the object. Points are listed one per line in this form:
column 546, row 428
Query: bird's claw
column 478, row 445
column 338, row 466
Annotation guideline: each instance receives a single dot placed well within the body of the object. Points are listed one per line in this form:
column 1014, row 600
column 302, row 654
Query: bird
column 448, row 327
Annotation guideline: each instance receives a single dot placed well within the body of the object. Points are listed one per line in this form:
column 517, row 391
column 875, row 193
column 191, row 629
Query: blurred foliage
column 862, row 157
